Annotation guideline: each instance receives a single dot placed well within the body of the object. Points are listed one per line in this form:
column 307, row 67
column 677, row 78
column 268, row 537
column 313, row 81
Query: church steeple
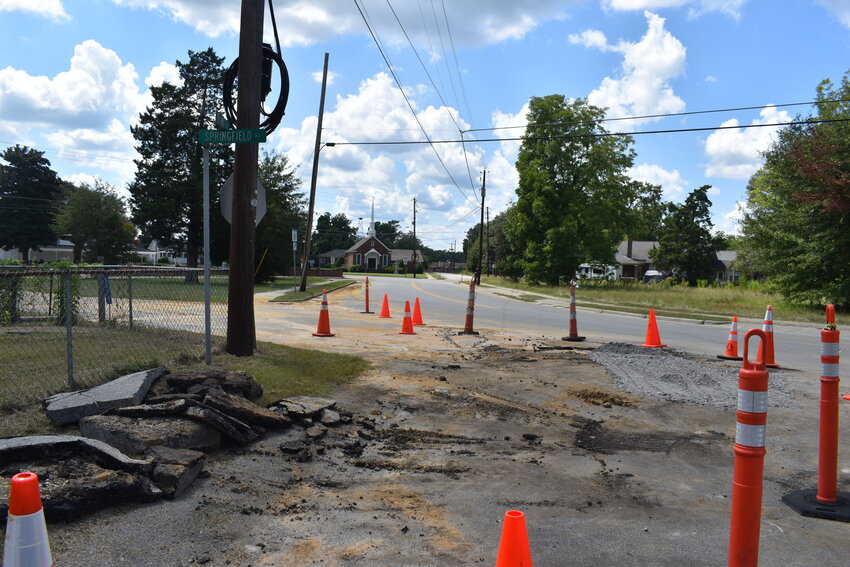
column 371, row 232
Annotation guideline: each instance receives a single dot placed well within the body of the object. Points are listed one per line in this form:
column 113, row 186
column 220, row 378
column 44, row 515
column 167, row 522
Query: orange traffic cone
column 417, row 313
column 765, row 353
column 407, row 322
column 385, row 309
column 324, row 329
column 653, row 340
column 732, row 343
column 26, row 533
column 513, row 546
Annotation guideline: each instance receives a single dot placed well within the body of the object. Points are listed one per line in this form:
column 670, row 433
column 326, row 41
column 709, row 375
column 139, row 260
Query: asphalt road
column 443, row 302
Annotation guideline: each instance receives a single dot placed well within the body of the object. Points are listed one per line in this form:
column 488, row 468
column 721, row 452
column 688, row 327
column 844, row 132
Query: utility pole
column 414, row 238
column 454, row 243
column 317, row 148
column 241, row 336
column 489, row 263
column 481, row 231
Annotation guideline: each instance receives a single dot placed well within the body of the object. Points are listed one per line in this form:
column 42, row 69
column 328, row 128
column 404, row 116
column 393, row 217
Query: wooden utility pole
column 240, row 298
column 316, row 149
column 481, row 232
column 414, row 238
column 489, row 262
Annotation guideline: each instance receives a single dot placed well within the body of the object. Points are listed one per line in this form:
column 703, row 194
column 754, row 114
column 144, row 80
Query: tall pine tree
column 167, row 192
column 29, row 193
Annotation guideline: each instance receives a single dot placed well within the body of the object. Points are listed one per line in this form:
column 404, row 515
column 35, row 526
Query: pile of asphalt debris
column 146, row 436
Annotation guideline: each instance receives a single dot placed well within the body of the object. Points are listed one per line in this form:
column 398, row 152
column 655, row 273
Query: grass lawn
column 710, row 303
column 282, row 371
column 312, row 290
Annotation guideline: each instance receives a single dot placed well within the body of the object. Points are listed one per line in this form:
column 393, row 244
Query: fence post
column 14, row 288
column 101, row 298
column 130, row 297
column 50, row 298
column 69, row 332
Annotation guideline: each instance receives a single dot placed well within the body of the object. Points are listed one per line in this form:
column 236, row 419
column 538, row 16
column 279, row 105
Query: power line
column 669, row 115
column 601, row 134
column 403, row 94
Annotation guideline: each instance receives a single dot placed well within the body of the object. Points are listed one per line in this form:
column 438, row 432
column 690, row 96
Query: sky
column 75, row 75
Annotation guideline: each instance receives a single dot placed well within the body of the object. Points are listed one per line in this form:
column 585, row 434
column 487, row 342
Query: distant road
column 444, row 303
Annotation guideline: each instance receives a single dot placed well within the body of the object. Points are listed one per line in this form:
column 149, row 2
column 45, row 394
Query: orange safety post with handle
column 749, row 459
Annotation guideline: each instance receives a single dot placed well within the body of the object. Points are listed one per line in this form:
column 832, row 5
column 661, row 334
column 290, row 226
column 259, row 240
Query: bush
column 164, row 260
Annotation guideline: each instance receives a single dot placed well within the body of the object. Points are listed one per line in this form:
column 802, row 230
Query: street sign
column 251, row 136
column 294, row 235
column 227, row 200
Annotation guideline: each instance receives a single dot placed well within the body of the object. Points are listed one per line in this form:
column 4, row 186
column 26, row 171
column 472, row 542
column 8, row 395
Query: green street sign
column 252, row 136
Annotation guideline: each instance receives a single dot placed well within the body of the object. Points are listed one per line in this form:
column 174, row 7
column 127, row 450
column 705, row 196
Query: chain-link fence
column 76, row 327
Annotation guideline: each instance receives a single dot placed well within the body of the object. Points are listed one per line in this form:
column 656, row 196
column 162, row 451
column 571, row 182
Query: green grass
column 312, row 291
column 282, row 371
column 285, row 283
column 384, row 275
column 709, row 303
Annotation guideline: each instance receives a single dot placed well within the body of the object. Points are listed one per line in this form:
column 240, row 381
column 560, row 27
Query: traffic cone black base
column 805, row 503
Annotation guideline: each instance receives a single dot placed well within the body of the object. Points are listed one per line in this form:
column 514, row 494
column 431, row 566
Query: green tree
column 29, row 193
column 574, row 194
column 686, row 246
column 648, row 211
column 333, row 232
column 388, row 232
column 796, row 228
column 284, row 212
column 167, row 191
column 94, row 219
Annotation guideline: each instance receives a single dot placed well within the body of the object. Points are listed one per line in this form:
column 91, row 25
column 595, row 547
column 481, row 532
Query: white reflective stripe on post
column 829, row 349
column 752, row 402
column 749, row 435
column 572, row 314
column 469, row 311
column 829, row 370
column 768, row 328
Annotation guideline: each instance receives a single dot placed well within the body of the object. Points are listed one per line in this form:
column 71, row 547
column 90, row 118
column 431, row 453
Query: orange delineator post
column 407, row 322
column 470, row 310
column 513, row 545
column 826, row 502
column 385, row 309
column 653, row 340
column 732, row 343
column 417, row 313
column 324, row 328
column 367, row 297
column 27, row 544
column 749, row 460
column 765, row 353
column 573, row 336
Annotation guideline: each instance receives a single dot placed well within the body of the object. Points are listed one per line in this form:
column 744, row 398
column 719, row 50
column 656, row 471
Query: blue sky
column 74, row 75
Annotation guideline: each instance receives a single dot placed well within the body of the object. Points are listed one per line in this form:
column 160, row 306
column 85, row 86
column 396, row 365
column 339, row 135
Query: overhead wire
column 378, row 43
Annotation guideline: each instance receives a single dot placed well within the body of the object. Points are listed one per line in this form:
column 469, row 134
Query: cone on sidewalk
column 407, row 322
column 27, row 543
column 732, row 343
column 324, row 328
column 513, row 545
column 653, row 340
column 573, row 336
column 417, row 313
column 765, row 353
column 385, row 309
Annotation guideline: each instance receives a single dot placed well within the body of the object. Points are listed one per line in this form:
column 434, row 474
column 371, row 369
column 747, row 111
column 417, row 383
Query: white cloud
column 48, row 8
column 730, row 221
column 95, row 88
column 710, row 79
column 106, row 150
column 736, row 153
column 696, row 8
column 164, row 73
column 317, row 76
column 304, row 22
column 839, row 9
column 590, row 38
column 507, row 124
column 648, row 67
column 672, row 183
